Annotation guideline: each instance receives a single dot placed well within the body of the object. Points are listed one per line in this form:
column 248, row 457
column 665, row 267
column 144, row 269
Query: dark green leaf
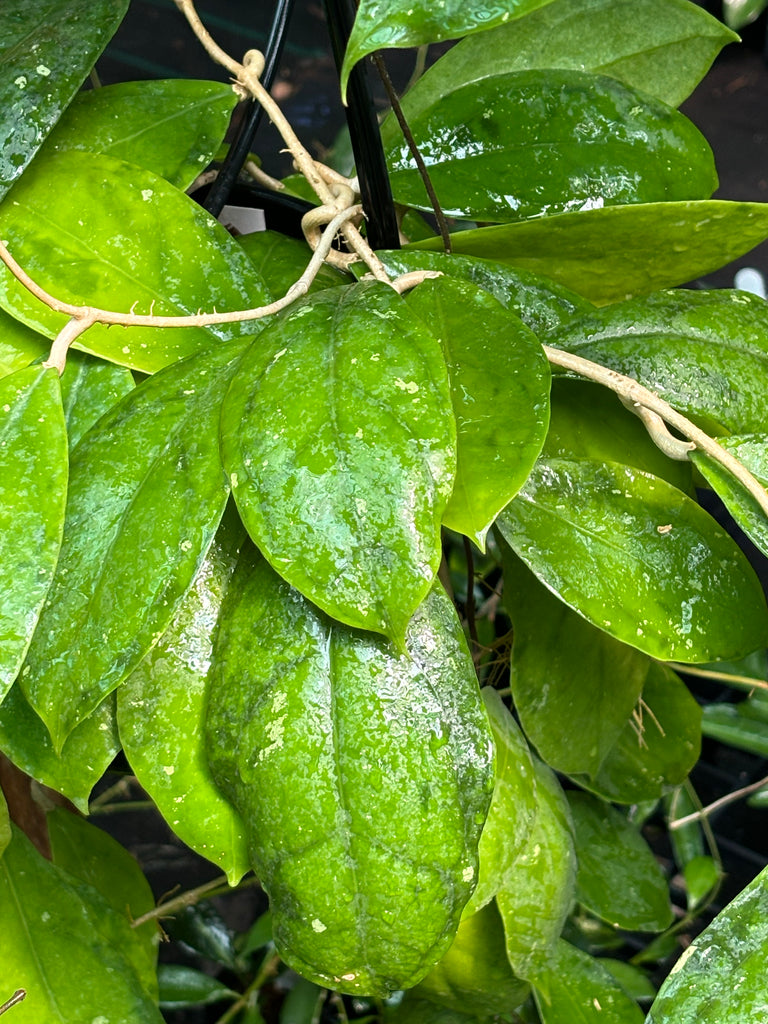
column 638, row 559
column 582, row 991
column 282, row 260
column 635, row 982
column 413, row 1010
column 303, row 1003
column 89, row 388
column 173, row 127
column 5, row 824
column 513, row 147
column 203, row 929
column 146, row 493
column 739, row 13
column 725, row 723
column 19, row 345
column 33, row 490
column 618, row 878
column 94, row 230
column 345, row 491
column 612, row 254
column 258, row 935
column 47, row 49
column 184, row 986
column 720, row 978
column 363, row 777
column 499, row 379
column 752, row 451
column 701, row 876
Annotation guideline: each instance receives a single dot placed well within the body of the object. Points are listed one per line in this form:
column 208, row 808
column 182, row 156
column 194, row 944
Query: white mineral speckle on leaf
column 41, row 69
column 146, row 194
column 169, row 769
column 468, row 874
column 318, row 926
column 20, row 82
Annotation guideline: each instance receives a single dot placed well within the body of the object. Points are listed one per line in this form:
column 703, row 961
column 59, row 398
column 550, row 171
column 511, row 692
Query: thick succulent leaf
column 661, row 47
column 705, row 352
column 721, row 976
column 63, row 942
column 618, row 878
column 94, row 230
column 582, row 991
column 574, row 686
column 345, row 491
column 85, row 756
column 161, row 708
column 638, row 559
column 282, row 260
column 404, row 23
column 513, row 806
column 752, row 451
column 513, row 146
column 19, row 345
column 612, row 254
column 146, row 493
column 89, row 388
column 500, row 380
column 363, row 777
column 33, row 491
column 46, row 51
column 172, row 127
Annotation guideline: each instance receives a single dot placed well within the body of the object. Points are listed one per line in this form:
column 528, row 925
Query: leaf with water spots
column 581, row 991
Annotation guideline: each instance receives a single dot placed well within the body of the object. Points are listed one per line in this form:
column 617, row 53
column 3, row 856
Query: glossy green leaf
column 172, row 127
column 513, row 147
column 633, row 980
column 618, row 878
column 415, row 1010
column 303, row 1004
column 345, row 491
column 705, row 352
column 612, row 254
column 282, row 260
column 701, row 876
column 740, row 13
column 513, row 807
column 720, row 978
column 182, row 986
column 33, row 490
column 574, row 686
column 638, row 559
column 399, row 23
column 203, row 929
column 752, row 451
column 145, row 483
column 89, row 388
column 90, row 855
column 5, row 824
column 65, row 944
column 499, row 379
column 46, row 51
column 363, row 777
column 85, row 756
column 725, row 723
column 19, row 345
column 94, row 230
column 582, row 991
column 161, row 708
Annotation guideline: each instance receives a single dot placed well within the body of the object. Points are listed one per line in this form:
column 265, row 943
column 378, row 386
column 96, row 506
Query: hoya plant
column 378, row 552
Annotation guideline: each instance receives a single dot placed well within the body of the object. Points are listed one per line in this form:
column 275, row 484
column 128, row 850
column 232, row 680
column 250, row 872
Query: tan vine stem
column 15, row 999
column 191, row 897
column 724, row 801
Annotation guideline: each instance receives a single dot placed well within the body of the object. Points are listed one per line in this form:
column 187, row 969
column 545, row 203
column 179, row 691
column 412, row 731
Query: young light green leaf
column 33, row 491
column 500, row 380
column 581, row 991
column 345, row 490
column 612, row 254
column 66, row 945
column 721, row 976
column 593, row 530
column 161, row 708
column 752, row 451
column 146, row 483
column 46, row 52
column 89, row 388
column 282, row 260
column 512, row 147
column 363, row 777
column 172, row 127
column 150, row 250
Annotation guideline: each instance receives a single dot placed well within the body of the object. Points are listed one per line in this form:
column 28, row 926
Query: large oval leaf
column 580, row 989
column 752, row 451
column 19, row 345
column 96, row 231
column 638, row 559
column 513, row 146
column 363, row 778
column 345, row 490
column 282, row 260
column 146, row 493
column 89, row 388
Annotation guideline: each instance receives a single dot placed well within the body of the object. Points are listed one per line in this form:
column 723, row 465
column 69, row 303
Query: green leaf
column 727, row 724
column 173, row 127
column 638, row 559
column 721, row 976
column 94, row 230
column 90, row 855
column 282, row 260
column 635, row 982
column 513, row 809
column 612, row 254
column 403, row 23
column 363, row 777
column 161, row 708
column 752, row 451
column 64, row 943
column 705, row 352
column 46, row 51
column 182, row 986
column 146, row 493
column 85, row 756
column 582, row 991
column 494, row 363
column 203, row 929
column 89, row 388
column 513, row 147
column 740, row 13
column 413, row 1010
column 574, row 686
column 618, row 878
column 701, row 876
column 19, row 345
column 5, row 824
column 345, row 492
column 33, row 490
